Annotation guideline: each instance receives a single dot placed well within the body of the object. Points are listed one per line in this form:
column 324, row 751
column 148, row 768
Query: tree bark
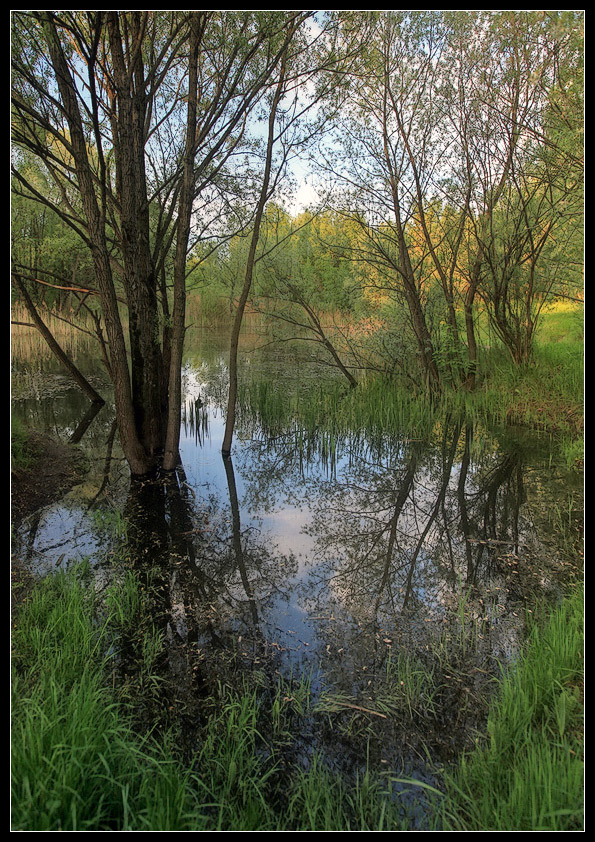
column 128, row 128
column 239, row 314
column 131, row 444
column 172, row 439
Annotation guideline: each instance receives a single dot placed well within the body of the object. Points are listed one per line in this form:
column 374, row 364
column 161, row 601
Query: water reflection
column 411, row 531
column 344, row 561
column 407, row 553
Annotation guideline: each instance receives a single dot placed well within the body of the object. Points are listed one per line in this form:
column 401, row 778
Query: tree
column 303, row 63
column 139, row 119
column 451, row 120
column 535, row 223
column 518, row 194
column 266, row 190
column 388, row 109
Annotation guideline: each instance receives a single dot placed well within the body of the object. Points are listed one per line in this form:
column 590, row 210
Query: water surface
column 364, row 567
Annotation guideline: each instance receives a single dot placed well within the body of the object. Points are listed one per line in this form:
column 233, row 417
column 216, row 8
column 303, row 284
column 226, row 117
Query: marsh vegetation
column 297, row 487
column 311, row 634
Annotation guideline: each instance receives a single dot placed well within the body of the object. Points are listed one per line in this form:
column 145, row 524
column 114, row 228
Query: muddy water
column 397, row 578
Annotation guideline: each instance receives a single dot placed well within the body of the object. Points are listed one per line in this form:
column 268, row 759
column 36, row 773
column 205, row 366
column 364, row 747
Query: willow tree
column 454, row 110
column 529, row 171
column 137, row 117
column 385, row 153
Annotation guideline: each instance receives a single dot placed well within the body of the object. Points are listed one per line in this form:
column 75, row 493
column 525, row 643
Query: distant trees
column 306, row 287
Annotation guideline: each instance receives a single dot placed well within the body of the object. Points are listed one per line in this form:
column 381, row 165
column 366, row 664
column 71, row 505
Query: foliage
column 454, row 190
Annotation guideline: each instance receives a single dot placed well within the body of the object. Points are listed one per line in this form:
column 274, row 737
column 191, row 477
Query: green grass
column 562, row 323
column 77, row 764
column 80, row 763
column 528, row 774
column 546, row 394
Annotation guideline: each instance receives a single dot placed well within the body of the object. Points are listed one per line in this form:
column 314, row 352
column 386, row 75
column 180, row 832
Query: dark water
column 367, row 568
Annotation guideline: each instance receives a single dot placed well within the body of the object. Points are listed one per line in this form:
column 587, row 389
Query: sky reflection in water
column 284, row 559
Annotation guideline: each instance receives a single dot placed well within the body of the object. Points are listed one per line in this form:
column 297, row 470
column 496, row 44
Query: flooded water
column 398, row 578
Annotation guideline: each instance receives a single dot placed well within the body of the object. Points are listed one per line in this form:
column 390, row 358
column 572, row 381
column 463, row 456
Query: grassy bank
column 527, row 774
column 80, row 761
column 545, row 396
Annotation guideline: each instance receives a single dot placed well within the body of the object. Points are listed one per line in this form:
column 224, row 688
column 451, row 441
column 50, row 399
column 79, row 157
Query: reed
column 321, row 801
column 72, row 331
column 411, row 686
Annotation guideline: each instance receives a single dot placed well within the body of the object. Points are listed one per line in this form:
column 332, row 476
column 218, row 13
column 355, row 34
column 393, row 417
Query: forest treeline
column 155, row 154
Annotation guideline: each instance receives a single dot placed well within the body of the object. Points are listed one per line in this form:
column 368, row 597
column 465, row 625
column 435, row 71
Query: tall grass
column 76, row 763
column 79, row 764
column 28, row 345
column 377, row 407
column 528, row 774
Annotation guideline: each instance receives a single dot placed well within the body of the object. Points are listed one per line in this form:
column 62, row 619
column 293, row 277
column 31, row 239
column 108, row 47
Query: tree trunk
column 172, row 439
column 470, row 379
column 81, row 381
column 139, row 276
column 420, row 328
column 132, row 446
column 239, row 315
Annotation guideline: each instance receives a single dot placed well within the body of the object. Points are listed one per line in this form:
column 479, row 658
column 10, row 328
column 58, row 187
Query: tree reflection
column 424, row 555
column 411, row 531
column 205, row 579
column 237, row 537
column 408, row 536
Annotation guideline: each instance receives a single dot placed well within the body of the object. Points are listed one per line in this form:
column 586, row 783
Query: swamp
column 297, row 434
column 368, row 588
